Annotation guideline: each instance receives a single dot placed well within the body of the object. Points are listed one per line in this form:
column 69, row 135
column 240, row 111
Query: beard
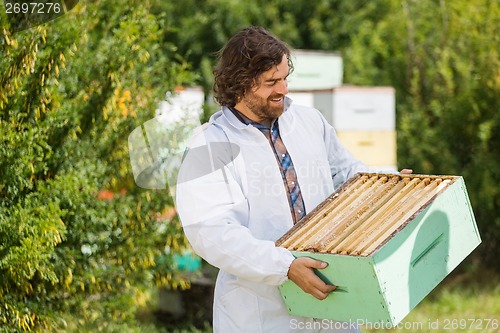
column 265, row 109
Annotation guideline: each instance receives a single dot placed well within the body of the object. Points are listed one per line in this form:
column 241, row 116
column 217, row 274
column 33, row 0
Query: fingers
column 301, row 272
column 323, row 291
column 406, row 171
column 313, row 263
column 318, row 289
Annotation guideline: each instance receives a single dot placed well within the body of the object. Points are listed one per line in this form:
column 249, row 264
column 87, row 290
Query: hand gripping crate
column 388, row 239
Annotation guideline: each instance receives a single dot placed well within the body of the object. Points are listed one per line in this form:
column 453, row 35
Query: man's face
column 265, row 100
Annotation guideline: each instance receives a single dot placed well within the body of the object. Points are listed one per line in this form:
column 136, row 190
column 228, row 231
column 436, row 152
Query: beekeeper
column 256, row 168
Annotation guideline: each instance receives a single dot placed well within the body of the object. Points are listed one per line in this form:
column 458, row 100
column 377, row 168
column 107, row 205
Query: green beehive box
column 388, row 240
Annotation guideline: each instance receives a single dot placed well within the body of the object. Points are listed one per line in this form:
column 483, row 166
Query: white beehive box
column 305, row 98
column 358, row 108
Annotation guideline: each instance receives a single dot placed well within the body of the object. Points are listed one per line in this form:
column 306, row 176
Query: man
column 271, row 162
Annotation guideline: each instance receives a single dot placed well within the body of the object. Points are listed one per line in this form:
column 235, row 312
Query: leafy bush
column 70, row 93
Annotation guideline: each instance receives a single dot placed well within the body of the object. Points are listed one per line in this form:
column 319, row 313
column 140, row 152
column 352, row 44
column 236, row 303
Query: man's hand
column 406, row 171
column 301, row 272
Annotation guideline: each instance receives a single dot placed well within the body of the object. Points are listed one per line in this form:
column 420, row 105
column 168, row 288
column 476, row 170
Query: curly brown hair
column 246, row 55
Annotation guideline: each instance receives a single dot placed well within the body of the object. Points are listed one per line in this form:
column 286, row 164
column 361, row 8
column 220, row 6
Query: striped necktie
column 285, row 164
column 288, row 173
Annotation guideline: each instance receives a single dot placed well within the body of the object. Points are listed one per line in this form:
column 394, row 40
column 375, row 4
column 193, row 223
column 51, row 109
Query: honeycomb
column 364, row 213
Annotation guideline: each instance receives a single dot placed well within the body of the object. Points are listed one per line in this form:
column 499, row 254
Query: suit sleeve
column 214, row 211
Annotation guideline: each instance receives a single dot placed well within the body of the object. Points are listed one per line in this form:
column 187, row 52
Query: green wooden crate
column 386, row 285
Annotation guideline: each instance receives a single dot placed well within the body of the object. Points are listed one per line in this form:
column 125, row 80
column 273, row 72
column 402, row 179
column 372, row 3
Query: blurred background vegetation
column 82, row 247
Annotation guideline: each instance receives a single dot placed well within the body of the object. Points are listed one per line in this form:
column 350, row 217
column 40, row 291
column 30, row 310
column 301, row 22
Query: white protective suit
column 233, row 215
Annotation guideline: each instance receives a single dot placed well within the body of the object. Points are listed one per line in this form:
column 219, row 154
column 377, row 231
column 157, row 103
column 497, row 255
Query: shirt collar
column 235, row 121
column 247, row 121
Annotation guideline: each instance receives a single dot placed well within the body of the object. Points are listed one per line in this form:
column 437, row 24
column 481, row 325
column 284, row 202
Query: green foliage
column 440, row 56
column 200, row 28
column 448, row 100
column 71, row 91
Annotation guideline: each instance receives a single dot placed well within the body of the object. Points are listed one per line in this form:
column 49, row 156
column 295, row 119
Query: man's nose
column 282, row 87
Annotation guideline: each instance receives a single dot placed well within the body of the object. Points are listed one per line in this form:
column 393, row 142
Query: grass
column 466, row 301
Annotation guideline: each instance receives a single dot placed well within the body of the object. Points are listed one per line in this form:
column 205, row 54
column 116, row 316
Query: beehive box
column 315, row 69
column 371, row 147
column 358, row 108
column 305, row 98
column 388, row 239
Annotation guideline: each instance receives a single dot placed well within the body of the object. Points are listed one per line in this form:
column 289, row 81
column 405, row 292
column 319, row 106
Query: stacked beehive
column 363, row 116
column 365, row 120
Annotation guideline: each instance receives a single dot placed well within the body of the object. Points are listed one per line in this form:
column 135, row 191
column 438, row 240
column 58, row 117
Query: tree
column 71, row 91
